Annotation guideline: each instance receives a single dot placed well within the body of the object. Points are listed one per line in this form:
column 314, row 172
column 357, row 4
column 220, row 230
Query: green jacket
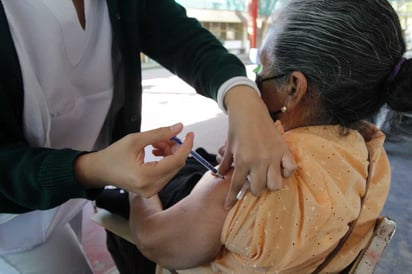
column 40, row 178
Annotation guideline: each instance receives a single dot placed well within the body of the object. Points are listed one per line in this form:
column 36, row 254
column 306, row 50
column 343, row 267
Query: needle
column 201, row 160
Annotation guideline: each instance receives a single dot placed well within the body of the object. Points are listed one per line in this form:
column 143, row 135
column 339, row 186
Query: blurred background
column 241, row 24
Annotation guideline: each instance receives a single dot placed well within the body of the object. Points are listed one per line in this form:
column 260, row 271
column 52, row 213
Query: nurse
column 70, row 110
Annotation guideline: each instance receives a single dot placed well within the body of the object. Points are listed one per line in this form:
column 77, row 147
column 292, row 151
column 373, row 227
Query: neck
column 295, row 118
column 79, row 5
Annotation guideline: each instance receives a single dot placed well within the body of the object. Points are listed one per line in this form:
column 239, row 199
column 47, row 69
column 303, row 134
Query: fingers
column 238, row 180
column 220, row 153
column 274, row 178
column 258, row 180
column 288, row 165
column 164, row 148
column 157, row 174
column 178, row 158
column 255, row 181
column 226, row 162
column 123, row 163
column 157, row 135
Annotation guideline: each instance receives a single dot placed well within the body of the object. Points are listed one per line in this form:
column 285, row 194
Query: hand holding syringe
column 210, row 167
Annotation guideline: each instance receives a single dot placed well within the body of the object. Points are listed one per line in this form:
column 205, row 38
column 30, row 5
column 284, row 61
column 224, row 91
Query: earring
column 283, row 109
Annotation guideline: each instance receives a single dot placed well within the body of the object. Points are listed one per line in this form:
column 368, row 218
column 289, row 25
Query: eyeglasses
column 259, row 80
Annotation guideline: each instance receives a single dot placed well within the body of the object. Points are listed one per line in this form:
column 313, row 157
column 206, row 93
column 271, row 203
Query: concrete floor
column 397, row 257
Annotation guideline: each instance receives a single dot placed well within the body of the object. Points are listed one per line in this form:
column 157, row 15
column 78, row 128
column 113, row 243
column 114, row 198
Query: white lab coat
column 68, row 89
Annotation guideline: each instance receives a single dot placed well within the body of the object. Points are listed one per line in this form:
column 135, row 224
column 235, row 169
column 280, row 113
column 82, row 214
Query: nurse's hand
column 254, row 145
column 122, row 163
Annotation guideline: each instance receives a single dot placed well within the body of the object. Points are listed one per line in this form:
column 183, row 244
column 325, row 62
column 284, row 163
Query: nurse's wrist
column 86, row 172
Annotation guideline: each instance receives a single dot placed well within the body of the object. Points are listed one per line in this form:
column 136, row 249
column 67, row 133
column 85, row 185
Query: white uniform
column 68, row 89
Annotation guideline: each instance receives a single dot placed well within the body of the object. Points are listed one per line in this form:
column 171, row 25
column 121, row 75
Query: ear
column 297, row 89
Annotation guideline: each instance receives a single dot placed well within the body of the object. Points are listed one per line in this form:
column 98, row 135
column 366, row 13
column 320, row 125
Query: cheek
column 271, row 100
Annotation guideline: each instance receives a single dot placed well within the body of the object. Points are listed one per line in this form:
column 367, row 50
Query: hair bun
column 399, row 96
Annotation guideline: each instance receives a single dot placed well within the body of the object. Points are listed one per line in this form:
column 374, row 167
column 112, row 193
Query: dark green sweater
column 40, row 178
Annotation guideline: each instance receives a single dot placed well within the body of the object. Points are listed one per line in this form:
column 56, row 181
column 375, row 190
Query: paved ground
column 398, row 255
column 168, row 100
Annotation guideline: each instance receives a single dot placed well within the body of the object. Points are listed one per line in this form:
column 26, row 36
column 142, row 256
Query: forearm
column 145, row 208
column 86, row 170
column 186, row 234
column 37, row 178
column 157, row 239
column 145, row 214
column 142, row 217
column 234, row 86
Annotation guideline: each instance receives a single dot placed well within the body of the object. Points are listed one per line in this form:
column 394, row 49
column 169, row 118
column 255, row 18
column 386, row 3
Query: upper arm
column 191, row 51
column 188, row 233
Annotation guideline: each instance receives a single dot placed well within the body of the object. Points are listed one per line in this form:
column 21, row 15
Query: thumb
column 159, row 134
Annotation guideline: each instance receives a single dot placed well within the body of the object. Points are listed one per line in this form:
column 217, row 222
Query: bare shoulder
column 209, row 184
column 209, row 193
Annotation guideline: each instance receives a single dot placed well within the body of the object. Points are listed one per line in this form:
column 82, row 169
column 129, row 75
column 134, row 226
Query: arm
column 195, row 55
column 37, row 178
column 31, row 178
column 184, row 47
column 254, row 144
column 40, row 178
column 188, row 233
column 122, row 163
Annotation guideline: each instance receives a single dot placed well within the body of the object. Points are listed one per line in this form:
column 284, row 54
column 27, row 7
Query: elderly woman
column 326, row 66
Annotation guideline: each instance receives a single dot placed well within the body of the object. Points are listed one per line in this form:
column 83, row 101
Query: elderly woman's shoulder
column 322, row 144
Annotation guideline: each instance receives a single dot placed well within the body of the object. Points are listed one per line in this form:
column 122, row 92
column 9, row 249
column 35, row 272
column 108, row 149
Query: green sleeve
column 37, row 178
column 181, row 45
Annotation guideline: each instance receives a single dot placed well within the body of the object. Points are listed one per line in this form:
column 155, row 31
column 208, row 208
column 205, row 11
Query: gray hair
column 346, row 48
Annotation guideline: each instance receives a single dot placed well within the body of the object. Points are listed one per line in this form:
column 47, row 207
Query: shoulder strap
column 352, row 225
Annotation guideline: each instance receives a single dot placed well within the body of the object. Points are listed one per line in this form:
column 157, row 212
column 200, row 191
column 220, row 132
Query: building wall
column 404, row 10
column 233, row 5
column 226, row 19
